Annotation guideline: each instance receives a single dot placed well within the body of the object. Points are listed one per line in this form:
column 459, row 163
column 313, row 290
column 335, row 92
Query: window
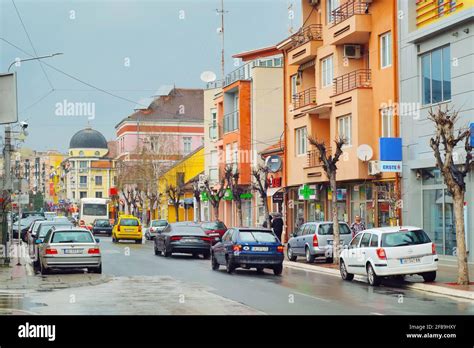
column 187, row 145
column 327, row 72
column 82, row 194
column 213, row 130
column 294, row 85
column 404, row 238
column 228, row 153
column 310, row 229
column 81, row 153
column 386, row 50
column 98, row 180
column 235, row 154
column 301, row 141
column 365, row 240
column 98, row 194
column 129, row 222
column 355, row 241
column 300, row 230
column 94, row 209
column 82, row 164
column 73, row 195
column 387, row 122
column 327, row 229
column 344, row 124
column 260, row 236
column 83, row 180
column 436, row 76
column 180, row 179
column 374, row 242
column 72, row 237
column 331, row 5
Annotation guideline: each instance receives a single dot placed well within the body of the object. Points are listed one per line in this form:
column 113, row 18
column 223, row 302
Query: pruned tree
column 329, row 164
column 5, row 207
column 232, row 179
column 261, row 184
column 174, row 194
column 197, row 197
column 215, row 194
column 444, row 145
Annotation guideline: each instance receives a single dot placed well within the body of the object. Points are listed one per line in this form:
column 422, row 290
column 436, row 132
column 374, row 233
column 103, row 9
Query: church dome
column 88, row 139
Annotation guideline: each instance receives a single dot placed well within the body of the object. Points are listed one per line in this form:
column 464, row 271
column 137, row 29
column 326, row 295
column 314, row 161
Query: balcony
column 429, row 11
column 305, row 44
column 244, row 72
column 304, row 99
column 352, row 23
column 231, row 122
column 83, row 185
column 355, row 79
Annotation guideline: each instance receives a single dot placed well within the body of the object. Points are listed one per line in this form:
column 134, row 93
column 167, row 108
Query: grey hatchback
column 314, row 239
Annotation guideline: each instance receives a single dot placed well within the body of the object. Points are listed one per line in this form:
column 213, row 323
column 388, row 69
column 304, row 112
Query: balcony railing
column 243, row 73
column 231, row 121
column 306, row 34
column 349, row 9
column 83, row 184
column 314, row 157
column 355, row 79
column 305, row 98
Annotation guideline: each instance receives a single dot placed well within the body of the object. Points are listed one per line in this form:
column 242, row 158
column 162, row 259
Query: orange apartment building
column 249, row 110
column 340, row 80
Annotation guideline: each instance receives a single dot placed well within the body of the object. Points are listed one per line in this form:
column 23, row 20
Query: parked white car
column 389, row 251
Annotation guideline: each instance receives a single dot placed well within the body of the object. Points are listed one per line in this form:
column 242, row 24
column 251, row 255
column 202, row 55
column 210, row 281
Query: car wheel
column 214, row 264
column 289, row 253
column 166, row 253
column 329, row 260
column 206, row 255
column 277, row 270
column 196, row 255
column 309, row 257
column 43, row 270
column 138, row 241
column 114, row 240
column 157, row 253
column 373, row 279
column 95, row 269
column 229, row 266
column 429, row 276
column 344, row 274
column 260, row 270
column 146, row 237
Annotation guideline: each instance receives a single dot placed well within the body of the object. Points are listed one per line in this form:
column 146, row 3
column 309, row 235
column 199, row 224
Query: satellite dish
column 365, row 152
column 273, row 163
column 208, row 76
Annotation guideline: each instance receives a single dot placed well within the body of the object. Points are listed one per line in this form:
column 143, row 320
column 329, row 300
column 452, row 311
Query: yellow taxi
column 128, row 227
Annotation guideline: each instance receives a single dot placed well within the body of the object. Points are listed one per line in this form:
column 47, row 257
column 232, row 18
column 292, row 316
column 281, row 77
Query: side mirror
column 97, row 240
column 38, row 241
column 293, row 234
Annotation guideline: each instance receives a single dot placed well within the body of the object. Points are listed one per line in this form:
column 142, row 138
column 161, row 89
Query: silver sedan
column 70, row 248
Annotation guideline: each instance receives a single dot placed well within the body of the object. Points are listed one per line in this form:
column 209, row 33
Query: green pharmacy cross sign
column 204, row 196
column 228, row 196
column 246, row 196
column 307, row 192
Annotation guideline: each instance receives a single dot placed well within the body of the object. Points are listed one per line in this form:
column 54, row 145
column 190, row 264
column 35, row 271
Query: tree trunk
column 216, row 211
column 335, row 221
column 463, row 271
column 198, row 209
column 267, row 212
column 238, row 205
column 176, row 210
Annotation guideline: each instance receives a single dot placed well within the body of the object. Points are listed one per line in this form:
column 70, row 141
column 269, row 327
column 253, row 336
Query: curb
column 469, row 295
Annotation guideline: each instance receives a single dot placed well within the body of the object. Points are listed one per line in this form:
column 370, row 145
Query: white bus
column 93, row 208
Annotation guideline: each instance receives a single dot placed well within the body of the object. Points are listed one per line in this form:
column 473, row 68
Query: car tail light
column 175, row 238
column 381, row 254
column 315, row 240
column 94, row 251
column 280, row 248
column 152, row 229
column 118, row 228
column 139, row 228
column 50, row 251
column 237, row 247
column 206, row 239
column 433, row 248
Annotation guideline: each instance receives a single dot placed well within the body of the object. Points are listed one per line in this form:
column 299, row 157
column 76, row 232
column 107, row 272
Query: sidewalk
column 445, row 283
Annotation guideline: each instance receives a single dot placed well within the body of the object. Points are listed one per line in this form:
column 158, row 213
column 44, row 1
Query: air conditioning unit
column 374, row 167
column 352, row 51
column 314, row 2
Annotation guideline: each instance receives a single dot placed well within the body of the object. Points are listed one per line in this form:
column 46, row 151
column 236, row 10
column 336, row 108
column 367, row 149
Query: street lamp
column 34, row 58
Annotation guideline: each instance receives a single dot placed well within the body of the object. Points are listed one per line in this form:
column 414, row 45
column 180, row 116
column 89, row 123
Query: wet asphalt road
column 295, row 292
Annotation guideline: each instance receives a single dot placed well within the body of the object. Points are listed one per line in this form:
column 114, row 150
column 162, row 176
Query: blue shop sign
column 390, row 149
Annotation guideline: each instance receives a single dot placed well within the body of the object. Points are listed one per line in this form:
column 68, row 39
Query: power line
column 36, row 102
column 31, row 43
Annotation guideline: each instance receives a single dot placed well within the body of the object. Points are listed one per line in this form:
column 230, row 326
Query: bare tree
column 329, row 164
column 5, row 207
column 454, row 175
column 232, row 178
column 197, row 197
column 261, row 184
column 175, row 193
column 215, row 195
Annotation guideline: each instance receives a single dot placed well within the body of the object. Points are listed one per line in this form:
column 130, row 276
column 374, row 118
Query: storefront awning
column 272, row 190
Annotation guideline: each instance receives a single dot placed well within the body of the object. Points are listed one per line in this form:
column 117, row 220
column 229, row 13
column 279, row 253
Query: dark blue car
column 248, row 248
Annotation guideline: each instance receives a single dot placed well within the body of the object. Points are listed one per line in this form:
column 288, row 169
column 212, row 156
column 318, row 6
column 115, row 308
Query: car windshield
column 102, row 223
column 94, row 209
column 214, row 226
column 327, row 229
column 159, row 223
column 44, row 228
column 129, row 222
column 72, row 237
column 404, row 238
column 188, row 230
column 257, row 236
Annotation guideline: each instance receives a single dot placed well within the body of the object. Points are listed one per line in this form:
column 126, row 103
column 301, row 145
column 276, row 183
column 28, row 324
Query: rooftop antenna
column 291, row 16
column 221, row 31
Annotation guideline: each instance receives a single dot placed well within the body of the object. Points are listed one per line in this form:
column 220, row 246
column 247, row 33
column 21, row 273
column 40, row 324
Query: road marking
column 316, row 298
column 375, row 313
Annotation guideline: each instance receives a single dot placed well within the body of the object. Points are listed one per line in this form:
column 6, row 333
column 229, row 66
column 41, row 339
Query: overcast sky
column 128, row 48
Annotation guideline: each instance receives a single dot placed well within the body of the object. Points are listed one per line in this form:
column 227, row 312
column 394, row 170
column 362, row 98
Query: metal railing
column 231, row 121
column 355, row 79
column 349, row 9
column 313, row 157
column 214, row 84
column 304, row 98
column 82, row 184
column 306, row 34
column 243, row 73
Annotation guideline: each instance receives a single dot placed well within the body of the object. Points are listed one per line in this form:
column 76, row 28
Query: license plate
column 192, row 240
column 331, row 241
column 129, row 230
column 73, row 251
column 410, row 260
column 259, row 248
column 102, row 232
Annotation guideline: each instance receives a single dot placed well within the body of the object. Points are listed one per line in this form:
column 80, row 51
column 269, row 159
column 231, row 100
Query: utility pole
column 222, row 13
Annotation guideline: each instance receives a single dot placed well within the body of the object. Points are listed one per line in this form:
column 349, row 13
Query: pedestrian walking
column 357, row 226
column 265, row 222
column 277, row 225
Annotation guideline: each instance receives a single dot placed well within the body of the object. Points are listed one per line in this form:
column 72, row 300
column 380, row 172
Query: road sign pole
column 19, row 229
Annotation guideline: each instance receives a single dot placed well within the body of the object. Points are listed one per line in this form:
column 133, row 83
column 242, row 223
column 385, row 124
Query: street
column 138, row 282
